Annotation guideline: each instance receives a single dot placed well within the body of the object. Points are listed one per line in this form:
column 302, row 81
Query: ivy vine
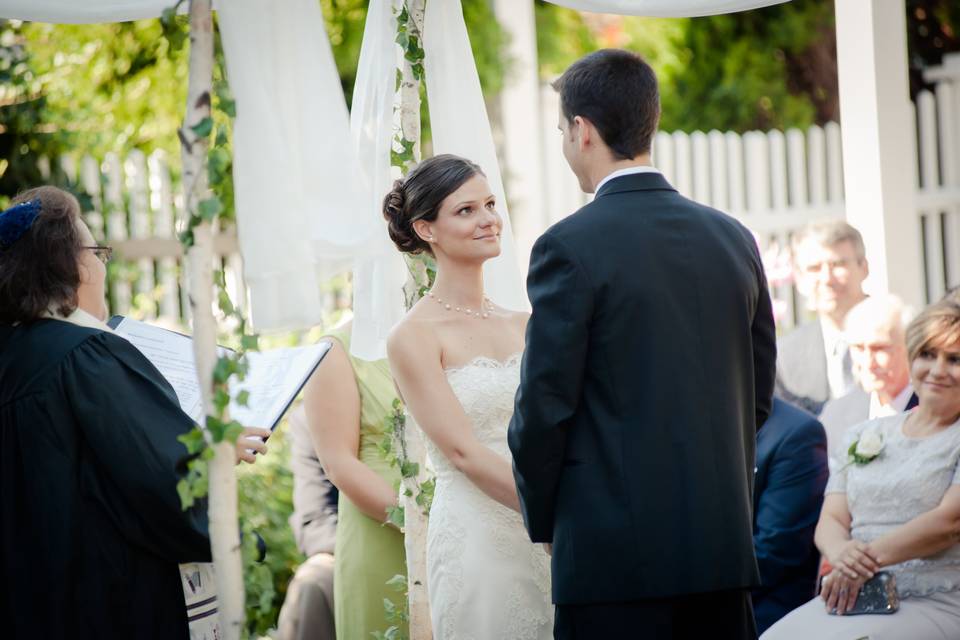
column 218, row 210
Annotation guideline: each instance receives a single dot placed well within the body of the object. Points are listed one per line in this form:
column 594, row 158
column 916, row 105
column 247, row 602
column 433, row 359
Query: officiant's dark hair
column 616, row 91
column 419, row 196
column 40, row 271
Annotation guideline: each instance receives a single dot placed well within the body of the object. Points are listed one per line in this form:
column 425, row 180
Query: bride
column 456, row 359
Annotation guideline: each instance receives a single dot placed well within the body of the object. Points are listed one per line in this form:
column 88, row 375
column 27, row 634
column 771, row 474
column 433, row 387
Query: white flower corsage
column 866, row 448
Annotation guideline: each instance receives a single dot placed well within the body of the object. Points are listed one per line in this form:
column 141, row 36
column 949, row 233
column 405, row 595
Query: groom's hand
column 548, row 547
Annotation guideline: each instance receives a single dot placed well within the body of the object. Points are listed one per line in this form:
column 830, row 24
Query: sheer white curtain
column 665, row 8
column 299, row 195
column 308, row 186
column 459, row 123
column 378, row 277
column 82, row 11
column 88, row 11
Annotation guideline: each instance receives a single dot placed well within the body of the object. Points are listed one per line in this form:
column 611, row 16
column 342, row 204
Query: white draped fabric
column 379, row 277
column 665, row 8
column 459, row 123
column 301, row 205
column 82, row 11
column 90, row 11
column 308, row 187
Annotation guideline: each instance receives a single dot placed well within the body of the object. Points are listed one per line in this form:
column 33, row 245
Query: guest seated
column 92, row 529
column 788, row 491
column 895, row 506
column 813, row 363
column 307, row 612
column 874, row 329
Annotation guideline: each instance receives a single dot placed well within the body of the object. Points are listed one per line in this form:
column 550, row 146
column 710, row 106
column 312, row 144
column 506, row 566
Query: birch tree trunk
column 224, row 532
column 415, row 522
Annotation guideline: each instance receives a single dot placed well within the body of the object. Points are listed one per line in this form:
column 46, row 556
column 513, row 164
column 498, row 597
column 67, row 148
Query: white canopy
column 90, row 11
column 308, row 190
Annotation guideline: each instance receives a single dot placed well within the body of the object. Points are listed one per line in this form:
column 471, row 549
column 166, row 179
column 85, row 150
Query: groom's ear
column 583, row 130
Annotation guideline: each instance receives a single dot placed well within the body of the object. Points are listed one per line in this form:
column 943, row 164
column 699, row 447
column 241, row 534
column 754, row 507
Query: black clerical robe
column 91, row 530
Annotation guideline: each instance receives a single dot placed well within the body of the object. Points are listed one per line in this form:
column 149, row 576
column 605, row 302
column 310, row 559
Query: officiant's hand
column 250, row 443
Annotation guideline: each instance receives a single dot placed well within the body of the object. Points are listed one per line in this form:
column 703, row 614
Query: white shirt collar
column 897, row 405
column 626, row 172
column 80, row 318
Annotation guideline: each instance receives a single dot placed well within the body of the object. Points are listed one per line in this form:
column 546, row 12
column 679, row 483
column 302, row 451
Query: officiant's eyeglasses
column 103, row 253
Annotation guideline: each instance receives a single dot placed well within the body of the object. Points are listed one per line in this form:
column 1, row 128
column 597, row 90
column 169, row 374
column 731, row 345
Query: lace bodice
column 485, row 388
column 907, row 479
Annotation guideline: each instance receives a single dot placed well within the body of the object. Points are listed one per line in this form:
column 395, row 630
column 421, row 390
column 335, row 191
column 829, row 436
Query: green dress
column 367, row 553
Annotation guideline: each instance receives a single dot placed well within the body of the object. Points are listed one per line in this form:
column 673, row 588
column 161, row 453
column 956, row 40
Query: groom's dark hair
column 616, row 91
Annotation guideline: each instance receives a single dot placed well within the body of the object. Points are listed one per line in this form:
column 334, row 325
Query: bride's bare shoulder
column 519, row 318
column 414, row 336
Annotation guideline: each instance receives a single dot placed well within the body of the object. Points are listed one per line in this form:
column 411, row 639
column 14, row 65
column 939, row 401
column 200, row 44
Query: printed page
column 172, row 355
column 273, row 380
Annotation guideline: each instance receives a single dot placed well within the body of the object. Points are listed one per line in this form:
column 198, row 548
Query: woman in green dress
column 348, row 402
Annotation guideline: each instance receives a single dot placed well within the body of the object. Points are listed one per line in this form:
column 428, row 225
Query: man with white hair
column 875, row 332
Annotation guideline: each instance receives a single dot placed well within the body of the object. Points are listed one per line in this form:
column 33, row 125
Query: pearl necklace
column 484, row 312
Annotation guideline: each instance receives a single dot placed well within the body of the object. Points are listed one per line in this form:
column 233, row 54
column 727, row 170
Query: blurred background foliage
column 117, row 87
column 121, row 86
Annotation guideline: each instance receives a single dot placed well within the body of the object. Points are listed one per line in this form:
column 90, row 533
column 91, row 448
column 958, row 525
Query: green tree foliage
column 772, row 67
column 266, row 502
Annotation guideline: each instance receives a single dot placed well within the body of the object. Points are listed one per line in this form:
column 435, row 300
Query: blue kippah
column 15, row 221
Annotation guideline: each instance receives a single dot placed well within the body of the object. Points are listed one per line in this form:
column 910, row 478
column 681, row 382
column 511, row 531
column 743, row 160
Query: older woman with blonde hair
column 893, row 504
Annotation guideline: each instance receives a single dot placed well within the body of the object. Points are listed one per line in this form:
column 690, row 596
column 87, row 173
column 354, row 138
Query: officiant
column 92, row 529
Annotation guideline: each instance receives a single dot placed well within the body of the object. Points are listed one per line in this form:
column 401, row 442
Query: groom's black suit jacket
column 650, row 364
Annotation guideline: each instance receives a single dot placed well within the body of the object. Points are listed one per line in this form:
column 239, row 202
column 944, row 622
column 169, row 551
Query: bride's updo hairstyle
column 418, row 197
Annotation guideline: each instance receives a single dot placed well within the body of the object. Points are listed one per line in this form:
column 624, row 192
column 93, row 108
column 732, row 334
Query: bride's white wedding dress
column 486, row 580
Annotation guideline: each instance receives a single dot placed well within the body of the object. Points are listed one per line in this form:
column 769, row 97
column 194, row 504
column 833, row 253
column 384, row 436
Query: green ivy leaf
column 186, row 238
column 224, row 302
column 203, row 128
column 232, row 431
column 243, row 398
column 225, row 101
column 209, row 209
column 216, row 428
column 222, row 370
column 395, row 516
column 409, row 469
column 398, row 583
column 221, row 399
column 193, row 440
column 218, row 166
column 185, row 493
column 250, row 342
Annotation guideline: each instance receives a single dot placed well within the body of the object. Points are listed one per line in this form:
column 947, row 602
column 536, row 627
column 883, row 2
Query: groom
column 648, row 368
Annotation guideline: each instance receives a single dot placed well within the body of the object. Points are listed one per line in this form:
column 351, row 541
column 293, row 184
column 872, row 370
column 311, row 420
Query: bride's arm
column 415, row 363
column 332, row 404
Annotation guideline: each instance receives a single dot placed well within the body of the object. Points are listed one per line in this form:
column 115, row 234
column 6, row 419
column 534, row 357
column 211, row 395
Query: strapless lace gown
column 486, row 580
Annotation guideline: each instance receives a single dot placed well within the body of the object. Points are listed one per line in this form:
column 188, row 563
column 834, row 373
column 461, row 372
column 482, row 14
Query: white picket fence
column 776, row 182
column 138, row 210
